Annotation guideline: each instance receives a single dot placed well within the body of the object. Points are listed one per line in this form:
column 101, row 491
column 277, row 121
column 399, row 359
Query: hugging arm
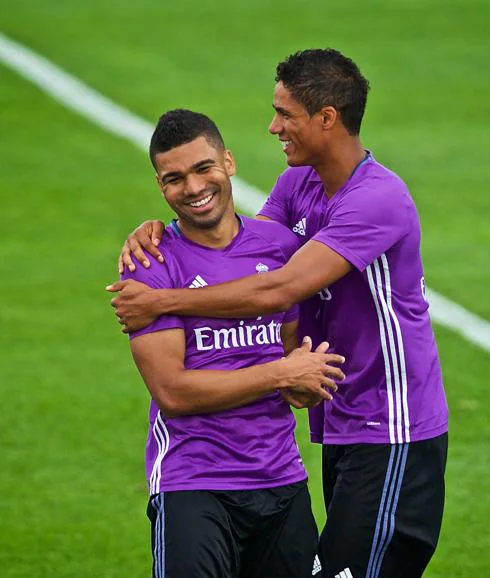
column 309, row 270
column 180, row 391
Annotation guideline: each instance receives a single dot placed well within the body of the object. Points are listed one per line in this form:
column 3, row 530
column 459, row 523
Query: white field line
column 77, row 96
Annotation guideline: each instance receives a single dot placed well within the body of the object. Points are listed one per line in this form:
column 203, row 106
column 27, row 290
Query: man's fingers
column 149, row 245
column 127, row 261
column 117, row 286
column 323, row 393
column 333, row 372
column 322, row 348
column 329, row 384
column 138, row 253
column 154, row 252
column 306, row 345
column 292, row 401
column 333, row 358
column 157, row 228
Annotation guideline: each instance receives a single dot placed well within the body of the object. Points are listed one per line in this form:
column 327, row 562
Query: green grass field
column 73, row 426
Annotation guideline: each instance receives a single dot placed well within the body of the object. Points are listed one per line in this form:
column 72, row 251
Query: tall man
column 228, row 495
column 385, row 434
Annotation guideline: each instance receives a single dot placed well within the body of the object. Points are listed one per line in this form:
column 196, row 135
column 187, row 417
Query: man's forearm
column 247, row 297
column 191, row 392
column 312, row 268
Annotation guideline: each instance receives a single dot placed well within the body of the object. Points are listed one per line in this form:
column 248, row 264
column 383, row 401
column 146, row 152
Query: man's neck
column 217, row 237
column 339, row 163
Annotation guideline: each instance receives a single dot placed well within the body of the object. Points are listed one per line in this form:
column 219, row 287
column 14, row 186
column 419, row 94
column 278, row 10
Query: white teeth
column 285, row 143
column 202, row 202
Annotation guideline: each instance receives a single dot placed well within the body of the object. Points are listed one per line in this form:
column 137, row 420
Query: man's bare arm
column 310, row 269
column 180, row 391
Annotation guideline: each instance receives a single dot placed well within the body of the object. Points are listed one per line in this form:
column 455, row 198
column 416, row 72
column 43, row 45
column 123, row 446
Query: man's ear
column 329, row 116
column 229, row 163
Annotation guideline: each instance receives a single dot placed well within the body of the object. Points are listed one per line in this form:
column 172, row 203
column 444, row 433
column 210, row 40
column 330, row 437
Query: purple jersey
column 249, row 447
column 376, row 315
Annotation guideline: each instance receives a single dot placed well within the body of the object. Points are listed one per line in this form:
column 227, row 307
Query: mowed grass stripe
column 74, row 94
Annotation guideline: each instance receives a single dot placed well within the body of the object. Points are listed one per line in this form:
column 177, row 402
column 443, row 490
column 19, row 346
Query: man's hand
column 310, row 374
column 135, row 304
column 300, row 400
column 146, row 236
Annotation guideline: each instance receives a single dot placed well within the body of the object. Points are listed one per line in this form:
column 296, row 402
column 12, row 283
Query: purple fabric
column 376, row 315
column 249, row 447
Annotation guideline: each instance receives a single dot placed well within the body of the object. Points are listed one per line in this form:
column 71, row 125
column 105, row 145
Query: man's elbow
column 168, row 409
column 170, row 403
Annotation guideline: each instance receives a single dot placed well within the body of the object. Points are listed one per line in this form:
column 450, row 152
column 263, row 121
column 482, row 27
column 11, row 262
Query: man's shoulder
column 271, row 234
column 377, row 185
column 270, row 230
column 377, row 176
column 158, row 275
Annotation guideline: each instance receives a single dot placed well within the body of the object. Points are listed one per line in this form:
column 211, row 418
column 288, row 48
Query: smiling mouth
column 285, row 144
column 202, row 202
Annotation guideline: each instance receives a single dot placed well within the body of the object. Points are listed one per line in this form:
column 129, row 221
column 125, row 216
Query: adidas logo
column 346, row 573
column 197, row 282
column 300, row 227
column 317, row 567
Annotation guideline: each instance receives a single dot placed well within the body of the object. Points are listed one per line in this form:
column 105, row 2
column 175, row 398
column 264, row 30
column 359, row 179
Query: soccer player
column 384, row 434
column 228, row 494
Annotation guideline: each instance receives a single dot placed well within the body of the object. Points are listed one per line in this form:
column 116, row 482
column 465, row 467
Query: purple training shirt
column 249, row 447
column 377, row 315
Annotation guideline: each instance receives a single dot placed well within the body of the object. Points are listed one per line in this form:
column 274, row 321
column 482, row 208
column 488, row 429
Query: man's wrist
column 161, row 301
column 282, row 374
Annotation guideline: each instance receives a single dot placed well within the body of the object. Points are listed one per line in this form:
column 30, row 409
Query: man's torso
column 376, row 316
column 249, row 447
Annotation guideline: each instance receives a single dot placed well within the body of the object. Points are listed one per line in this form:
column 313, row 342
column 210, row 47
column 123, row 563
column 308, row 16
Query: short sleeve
column 276, row 207
column 366, row 223
column 157, row 276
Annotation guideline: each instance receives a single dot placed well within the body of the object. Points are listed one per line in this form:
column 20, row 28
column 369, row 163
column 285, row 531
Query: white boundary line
column 77, row 96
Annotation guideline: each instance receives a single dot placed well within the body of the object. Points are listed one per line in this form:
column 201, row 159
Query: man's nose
column 194, row 184
column 275, row 126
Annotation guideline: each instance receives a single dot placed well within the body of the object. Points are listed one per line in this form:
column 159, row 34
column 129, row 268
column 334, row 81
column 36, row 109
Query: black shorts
column 267, row 533
column 384, row 508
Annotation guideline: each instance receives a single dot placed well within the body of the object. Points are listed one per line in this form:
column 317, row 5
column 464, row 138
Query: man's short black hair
column 325, row 77
column 181, row 126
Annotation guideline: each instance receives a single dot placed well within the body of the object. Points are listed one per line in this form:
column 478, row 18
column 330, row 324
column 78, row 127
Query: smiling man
column 228, row 494
column 360, row 273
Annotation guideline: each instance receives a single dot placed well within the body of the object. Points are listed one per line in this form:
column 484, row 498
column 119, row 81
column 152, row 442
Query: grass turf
column 73, row 429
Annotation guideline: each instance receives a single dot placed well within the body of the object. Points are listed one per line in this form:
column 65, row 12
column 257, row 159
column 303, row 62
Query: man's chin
column 295, row 162
column 202, row 221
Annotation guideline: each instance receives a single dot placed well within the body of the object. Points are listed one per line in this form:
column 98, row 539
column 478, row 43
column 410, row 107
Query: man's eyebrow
column 203, row 162
column 195, row 166
column 170, row 175
column 280, row 110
